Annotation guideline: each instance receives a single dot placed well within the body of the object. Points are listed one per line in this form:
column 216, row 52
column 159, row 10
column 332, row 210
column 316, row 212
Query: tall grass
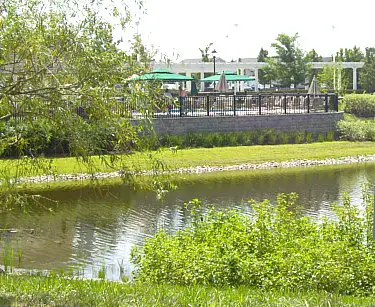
column 60, row 291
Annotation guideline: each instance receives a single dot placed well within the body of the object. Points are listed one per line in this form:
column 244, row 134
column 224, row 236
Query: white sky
column 239, row 28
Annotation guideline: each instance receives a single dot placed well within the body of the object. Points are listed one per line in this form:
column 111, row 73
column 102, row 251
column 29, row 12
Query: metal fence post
column 336, row 102
column 260, row 103
column 180, row 99
column 234, row 105
column 285, row 104
column 326, row 103
column 308, row 103
column 208, row 105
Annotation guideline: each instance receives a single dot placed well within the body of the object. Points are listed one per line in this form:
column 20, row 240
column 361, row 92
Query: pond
column 91, row 229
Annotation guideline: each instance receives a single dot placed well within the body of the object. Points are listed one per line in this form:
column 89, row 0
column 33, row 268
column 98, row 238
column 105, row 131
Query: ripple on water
column 92, row 229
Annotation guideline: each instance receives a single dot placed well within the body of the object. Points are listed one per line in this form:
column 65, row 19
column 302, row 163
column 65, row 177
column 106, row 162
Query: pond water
column 90, row 229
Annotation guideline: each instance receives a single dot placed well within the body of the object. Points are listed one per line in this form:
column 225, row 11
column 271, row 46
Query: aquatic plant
column 275, row 247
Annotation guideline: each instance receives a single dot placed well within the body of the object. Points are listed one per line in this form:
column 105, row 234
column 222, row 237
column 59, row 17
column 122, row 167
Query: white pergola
column 243, row 67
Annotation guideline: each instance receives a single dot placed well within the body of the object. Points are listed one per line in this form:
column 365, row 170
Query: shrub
column 259, row 137
column 274, row 247
column 309, row 137
column 284, row 137
column 356, row 130
column 330, row 136
column 299, row 137
column 270, row 137
column 321, row 137
column 362, row 105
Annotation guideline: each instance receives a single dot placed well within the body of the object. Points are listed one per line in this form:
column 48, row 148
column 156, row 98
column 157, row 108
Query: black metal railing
column 247, row 105
column 215, row 105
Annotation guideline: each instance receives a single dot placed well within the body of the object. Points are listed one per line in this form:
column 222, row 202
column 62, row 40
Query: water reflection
column 92, row 228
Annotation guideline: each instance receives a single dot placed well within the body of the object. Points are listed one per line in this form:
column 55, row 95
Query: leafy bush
column 242, row 138
column 299, row 137
column 274, row 247
column 321, row 137
column 309, row 137
column 270, row 137
column 41, row 137
column 362, row 105
column 284, row 137
column 356, row 130
column 330, row 136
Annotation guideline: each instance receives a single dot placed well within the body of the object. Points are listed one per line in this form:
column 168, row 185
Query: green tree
column 312, row 56
column 262, row 76
column 289, row 67
column 333, row 78
column 349, row 55
column 62, row 73
column 367, row 77
column 205, row 53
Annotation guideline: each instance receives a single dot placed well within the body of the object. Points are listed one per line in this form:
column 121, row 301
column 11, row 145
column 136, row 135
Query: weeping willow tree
column 64, row 83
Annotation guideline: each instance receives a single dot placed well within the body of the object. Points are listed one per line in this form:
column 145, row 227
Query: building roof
column 199, row 60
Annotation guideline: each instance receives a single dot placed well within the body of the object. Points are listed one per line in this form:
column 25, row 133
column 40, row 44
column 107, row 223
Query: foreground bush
column 273, row 248
column 362, row 105
column 356, row 130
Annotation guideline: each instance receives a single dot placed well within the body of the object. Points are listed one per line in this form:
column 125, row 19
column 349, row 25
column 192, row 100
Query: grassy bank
column 55, row 291
column 205, row 156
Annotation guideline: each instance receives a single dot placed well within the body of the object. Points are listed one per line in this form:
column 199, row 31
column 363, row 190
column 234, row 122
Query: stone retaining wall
column 312, row 122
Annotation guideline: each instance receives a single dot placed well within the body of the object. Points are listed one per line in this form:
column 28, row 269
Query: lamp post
column 214, row 58
column 334, row 59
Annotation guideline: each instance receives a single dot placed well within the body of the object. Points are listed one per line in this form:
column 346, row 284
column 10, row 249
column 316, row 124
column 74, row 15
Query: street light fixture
column 214, row 59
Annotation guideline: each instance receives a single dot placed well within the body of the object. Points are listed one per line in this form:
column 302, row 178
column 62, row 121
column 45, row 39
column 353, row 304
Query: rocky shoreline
column 201, row 169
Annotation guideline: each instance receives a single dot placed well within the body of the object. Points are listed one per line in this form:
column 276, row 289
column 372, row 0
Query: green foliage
column 299, row 137
column 62, row 291
column 349, row 55
column 275, row 247
column 64, row 82
column 367, row 76
column 290, row 66
column 309, row 137
column 362, row 105
column 321, row 137
column 262, row 76
column 333, row 77
column 284, row 138
column 312, row 56
column 245, row 138
column 101, row 272
column 59, row 80
column 330, row 136
column 356, row 130
column 205, row 53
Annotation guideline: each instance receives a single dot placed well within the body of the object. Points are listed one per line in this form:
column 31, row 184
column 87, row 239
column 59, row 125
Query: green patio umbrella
column 229, row 76
column 162, row 75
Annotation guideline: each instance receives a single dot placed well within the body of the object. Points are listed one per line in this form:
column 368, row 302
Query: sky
column 239, row 28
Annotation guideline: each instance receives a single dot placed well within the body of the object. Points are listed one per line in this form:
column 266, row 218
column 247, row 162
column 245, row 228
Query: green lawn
column 208, row 157
column 55, row 291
